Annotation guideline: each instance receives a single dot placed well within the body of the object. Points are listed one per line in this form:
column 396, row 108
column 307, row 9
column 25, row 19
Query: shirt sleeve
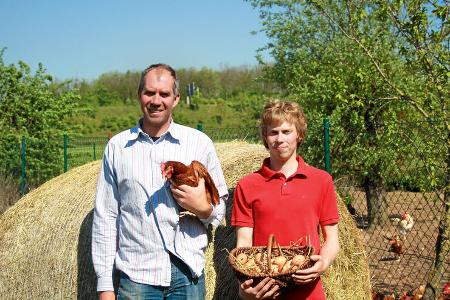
column 104, row 226
column 242, row 214
column 329, row 211
column 215, row 170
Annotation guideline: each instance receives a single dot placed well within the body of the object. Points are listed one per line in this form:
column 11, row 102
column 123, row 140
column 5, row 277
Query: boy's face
column 282, row 140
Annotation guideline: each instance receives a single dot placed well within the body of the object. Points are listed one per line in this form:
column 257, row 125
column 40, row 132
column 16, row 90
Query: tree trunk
column 376, row 206
column 373, row 183
column 434, row 286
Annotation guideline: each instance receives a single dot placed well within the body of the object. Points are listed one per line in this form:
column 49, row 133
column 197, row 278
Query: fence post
column 65, row 152
column 326, row 143
column 22, row 175
column 200, row 126
column 93, row 147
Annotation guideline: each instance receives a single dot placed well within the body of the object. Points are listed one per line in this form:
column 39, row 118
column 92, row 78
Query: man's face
column 282, row 141
column 157, row 101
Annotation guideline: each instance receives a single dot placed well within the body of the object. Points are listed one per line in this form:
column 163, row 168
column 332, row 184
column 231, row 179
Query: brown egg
column 250, row 263
column 242, row 258
column 279, row 261
column 274, row 269
column 258, row 256
column 287, row 266
column 298, row 260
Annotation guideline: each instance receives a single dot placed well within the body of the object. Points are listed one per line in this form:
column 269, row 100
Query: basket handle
column 269, row 251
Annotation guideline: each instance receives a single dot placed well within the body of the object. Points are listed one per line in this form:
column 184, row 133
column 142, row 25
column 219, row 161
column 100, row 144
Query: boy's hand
column 312, row 273
column 266, row 289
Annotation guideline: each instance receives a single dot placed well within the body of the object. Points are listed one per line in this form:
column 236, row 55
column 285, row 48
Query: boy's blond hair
column 276, row 112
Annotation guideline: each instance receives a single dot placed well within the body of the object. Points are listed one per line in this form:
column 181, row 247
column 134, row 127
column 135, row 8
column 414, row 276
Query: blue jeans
column 182, row 286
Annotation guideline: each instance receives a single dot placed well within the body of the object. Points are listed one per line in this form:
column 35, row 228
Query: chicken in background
column 380, row 296
column 445, row 292
column 417, row 294
column 404, row 224
column 178, row 174
column 351, row 209
column 396, row 246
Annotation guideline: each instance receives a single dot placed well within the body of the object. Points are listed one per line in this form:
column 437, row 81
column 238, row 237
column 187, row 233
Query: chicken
column 380, row 296
column 405, row 224
column 417, row 294
column 351, row 209
column 396, row 246
column 445, row 295
column 178, row 174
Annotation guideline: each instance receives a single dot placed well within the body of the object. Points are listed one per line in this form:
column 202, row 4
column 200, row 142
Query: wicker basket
column 263, row 266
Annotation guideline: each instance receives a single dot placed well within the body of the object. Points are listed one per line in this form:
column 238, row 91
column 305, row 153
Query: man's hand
column 193, row 199
column 266, row 289
column 311, row 274
column 107, row 295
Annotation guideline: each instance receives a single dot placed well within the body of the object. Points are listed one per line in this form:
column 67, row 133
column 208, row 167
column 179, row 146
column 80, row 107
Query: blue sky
column 83, row 39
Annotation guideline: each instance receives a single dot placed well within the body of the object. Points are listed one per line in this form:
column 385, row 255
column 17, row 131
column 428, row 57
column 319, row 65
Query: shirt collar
column 268, row 173
column 173, row 130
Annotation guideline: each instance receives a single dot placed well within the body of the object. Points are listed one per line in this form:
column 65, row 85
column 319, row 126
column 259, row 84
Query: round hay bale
column 45, row 239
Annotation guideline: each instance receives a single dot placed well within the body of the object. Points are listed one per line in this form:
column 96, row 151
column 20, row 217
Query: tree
column 34, row 107
column 119, row 85
column 316, row 63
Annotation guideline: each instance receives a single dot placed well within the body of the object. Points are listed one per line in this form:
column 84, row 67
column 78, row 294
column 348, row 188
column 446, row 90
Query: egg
column 279, row 261
column 298, row 260
column 287, row 266
column 242, row 258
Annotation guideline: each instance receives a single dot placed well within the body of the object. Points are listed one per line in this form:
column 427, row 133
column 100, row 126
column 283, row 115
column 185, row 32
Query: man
column 290, row 199
column 136, row 228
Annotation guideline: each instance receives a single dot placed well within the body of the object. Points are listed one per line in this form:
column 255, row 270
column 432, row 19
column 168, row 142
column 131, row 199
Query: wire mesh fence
column 402, row 206
column 84, row 150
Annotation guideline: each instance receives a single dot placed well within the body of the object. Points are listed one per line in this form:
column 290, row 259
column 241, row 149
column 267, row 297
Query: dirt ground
column 389, row 275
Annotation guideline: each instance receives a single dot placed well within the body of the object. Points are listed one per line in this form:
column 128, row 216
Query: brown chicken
column 396, row 246
column 417, row 294
column 380, row 296
column 178, row 174
column 445, row 292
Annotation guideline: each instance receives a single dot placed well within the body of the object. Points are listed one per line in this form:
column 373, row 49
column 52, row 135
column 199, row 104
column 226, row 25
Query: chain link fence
column 410, row 175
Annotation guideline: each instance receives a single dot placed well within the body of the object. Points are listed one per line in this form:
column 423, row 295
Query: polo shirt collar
column 173, row 130
column 268, row 173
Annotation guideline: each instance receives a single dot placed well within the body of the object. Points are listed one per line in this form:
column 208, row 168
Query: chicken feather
column 178, row 174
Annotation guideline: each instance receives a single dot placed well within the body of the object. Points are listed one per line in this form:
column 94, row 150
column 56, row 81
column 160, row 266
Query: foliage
column 226, row 83
column 367, row 65
column 32, row 106
column 231, row 97
column 122, row 86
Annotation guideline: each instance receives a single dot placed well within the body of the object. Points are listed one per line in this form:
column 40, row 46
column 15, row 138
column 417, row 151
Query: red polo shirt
column 291, row 208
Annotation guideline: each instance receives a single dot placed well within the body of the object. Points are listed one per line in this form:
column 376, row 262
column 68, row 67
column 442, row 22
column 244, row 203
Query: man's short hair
column 276, row 112
column 168, row 68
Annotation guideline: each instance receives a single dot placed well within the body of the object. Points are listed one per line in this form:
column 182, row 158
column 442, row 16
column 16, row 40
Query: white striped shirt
column 136, row 222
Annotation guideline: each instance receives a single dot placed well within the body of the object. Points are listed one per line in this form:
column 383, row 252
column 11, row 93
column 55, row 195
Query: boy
column 290, row 199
